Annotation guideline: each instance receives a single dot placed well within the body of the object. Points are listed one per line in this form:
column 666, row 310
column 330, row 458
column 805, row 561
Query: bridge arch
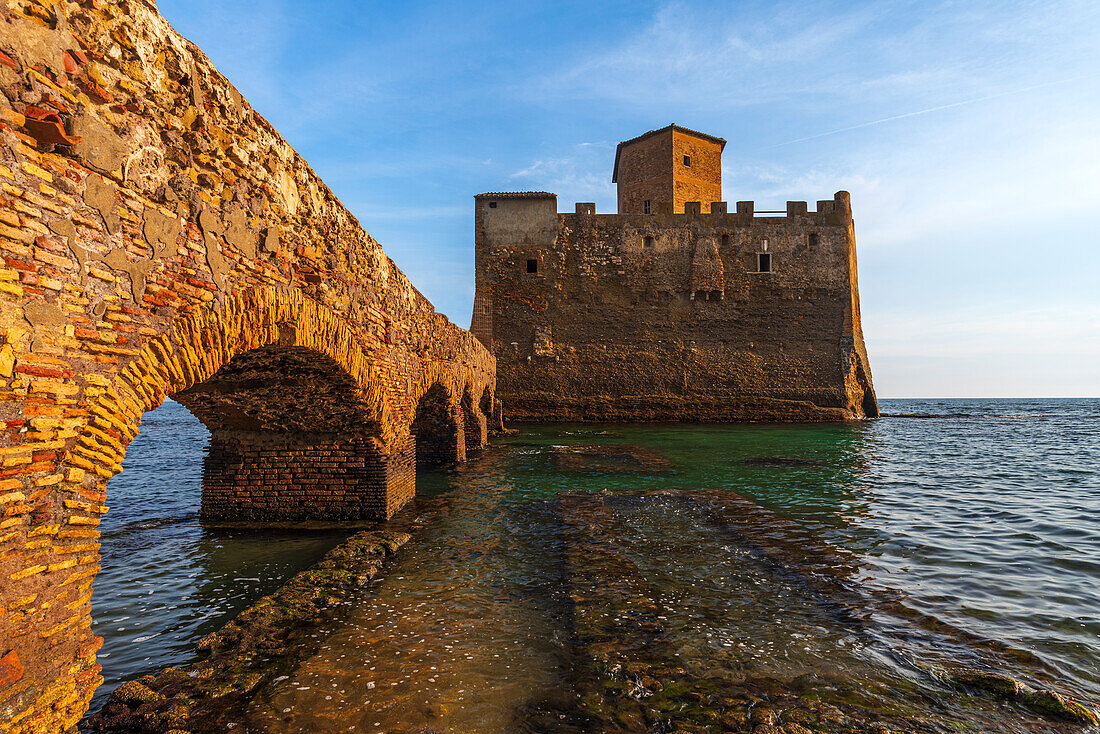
column 205, row 265
column 475, row 421
column 301, row 423
column 437, row 426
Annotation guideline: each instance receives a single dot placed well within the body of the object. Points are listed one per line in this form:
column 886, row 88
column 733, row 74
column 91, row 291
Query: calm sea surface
column 972, row 536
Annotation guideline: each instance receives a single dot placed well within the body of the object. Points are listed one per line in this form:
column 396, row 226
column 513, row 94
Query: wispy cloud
column 966, row 133
column 570, row 176
column 929, row 110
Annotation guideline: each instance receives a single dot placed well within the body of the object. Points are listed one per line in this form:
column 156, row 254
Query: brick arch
column 475, row 421
column 129, row 276
column 437, row 424
column 351, row 424
column 190, row 353
column 196, row 345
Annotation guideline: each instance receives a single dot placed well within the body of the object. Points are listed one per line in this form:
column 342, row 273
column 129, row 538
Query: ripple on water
column 981, row 525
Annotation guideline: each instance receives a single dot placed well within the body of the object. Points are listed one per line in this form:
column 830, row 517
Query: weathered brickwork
column 667, row 316
column 673, row 165
column 273, row 477
column 160, row 239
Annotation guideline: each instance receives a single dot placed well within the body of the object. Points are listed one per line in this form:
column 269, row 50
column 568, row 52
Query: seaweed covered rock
column 1061, row 706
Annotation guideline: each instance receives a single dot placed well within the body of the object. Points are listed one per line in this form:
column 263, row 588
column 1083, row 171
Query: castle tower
column 670, row 165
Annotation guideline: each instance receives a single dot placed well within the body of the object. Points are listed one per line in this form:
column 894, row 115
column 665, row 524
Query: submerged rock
column 1061, row 706
column 231, row 668
column 1044, row 701
column 608, row 458
column 997, row 683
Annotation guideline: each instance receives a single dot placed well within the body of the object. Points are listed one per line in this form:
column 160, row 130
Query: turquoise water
column 968, row 537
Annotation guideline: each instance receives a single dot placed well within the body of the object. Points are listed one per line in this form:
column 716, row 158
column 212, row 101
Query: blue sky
column 968, row 134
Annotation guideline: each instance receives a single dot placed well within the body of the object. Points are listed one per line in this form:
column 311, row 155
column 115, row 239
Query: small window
column 532, row 266
column 492, row 205
column 687, row 161
column 812, row 239
column 725, row 241
column 645, row 206
column 649, row 243
column 764, row 261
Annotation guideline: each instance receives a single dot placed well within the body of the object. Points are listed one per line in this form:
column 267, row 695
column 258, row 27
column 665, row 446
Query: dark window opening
column 645, row 207
column 725, row 240
column 649, row 243
column 532, row 266
column 765, row 262
column 687, row 161
column 492, row 205
column 812, row 239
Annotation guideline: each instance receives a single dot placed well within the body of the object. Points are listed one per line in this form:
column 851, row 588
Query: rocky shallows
column 267, row 639
column 682, row 611
column 652, row 660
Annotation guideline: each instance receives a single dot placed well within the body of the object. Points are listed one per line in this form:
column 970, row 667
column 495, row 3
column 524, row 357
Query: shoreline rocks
column 1043, row 700
column 263, row 641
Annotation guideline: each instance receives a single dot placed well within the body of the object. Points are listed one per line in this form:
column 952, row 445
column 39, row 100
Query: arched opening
column 436, row 431
column 474, row 421
column 492, row 417
column 166, row 579
column 290, row 439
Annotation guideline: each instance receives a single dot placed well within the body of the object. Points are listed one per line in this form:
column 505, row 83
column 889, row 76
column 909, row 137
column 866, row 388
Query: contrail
column 925, row 112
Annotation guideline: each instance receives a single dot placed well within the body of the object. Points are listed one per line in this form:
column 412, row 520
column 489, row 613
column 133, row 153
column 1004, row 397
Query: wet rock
column 793, row 728
column 608, row 458
column 996, row 683
column 133, row 693
column 761, row 715
column 1061, row 706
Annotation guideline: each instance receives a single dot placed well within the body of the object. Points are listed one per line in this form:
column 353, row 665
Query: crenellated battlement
column 719, row 210
column 678, row 307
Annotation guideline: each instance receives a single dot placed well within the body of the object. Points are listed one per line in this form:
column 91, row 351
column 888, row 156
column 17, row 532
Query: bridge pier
column 263, row 477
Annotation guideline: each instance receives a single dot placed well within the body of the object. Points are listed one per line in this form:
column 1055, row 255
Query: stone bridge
column 160, row 239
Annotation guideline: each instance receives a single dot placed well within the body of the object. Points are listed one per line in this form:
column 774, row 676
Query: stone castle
column 674, row 308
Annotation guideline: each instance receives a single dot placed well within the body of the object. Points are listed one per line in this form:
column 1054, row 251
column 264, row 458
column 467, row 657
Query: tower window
column 764, row 262
column 645, row 207
column 687, row 161
column 532, row 266
column 725, row 241
column 649, row 243
column 492, row 205
column 812, row 239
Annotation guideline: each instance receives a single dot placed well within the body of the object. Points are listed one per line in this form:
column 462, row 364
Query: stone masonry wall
column 157, row 233
column 645, row 174
column 652, row 169
column 250, row 477
column 666, row 317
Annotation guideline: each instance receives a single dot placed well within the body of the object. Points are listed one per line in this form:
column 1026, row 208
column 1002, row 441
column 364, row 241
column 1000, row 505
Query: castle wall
column 665, row 317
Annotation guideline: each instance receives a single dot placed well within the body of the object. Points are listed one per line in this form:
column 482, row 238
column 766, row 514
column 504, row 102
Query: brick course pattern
column 629, row 317
column 161, row 239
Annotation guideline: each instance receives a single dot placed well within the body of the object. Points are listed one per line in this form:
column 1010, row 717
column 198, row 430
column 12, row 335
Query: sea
column 961, row 531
